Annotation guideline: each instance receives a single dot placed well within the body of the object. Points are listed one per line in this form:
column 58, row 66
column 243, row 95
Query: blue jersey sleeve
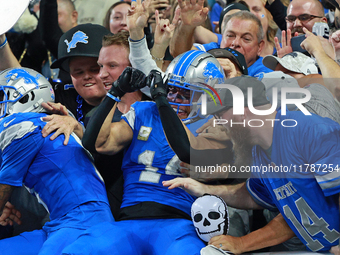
column 323, row 155
column 17, row 157
column 260, row 193
column 130, row 117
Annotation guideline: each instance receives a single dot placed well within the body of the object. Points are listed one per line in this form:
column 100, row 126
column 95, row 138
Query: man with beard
column 304, row 13
column 305, row 197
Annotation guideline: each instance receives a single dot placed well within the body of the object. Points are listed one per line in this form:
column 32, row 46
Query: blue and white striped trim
column 328, row 181
column 184, row 63
column 113, row 97
column 258, row 200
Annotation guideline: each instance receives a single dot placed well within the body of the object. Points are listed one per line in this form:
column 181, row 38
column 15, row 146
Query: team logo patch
column 211, row 71
column 78, row 37
column 20, row 73
column 144, row 133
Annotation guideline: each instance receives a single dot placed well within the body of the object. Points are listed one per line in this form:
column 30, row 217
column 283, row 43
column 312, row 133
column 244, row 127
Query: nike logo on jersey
column 9, row 122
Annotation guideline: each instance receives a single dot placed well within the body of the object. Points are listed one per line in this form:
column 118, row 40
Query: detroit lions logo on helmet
column 212, row 71
column 78, row 37
column 20, row 73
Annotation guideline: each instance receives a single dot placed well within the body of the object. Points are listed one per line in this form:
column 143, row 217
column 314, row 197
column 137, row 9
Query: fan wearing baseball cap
column 78, row 52
column 304, row 70
column 276, row 145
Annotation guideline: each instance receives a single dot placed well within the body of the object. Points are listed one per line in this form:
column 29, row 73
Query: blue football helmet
column 23, row 90
column 189, row 76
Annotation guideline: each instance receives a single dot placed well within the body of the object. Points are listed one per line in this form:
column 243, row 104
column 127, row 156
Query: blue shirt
column 306, row 192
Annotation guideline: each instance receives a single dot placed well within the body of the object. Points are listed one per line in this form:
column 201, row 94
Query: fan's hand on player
column 191, row 186
column 55, row 108
column 61, row 125
column 10, row 215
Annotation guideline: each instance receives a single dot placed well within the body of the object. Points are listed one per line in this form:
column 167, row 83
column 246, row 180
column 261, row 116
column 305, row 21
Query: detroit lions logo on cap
column 16, row 74
column 78, row 37
column 212, row 71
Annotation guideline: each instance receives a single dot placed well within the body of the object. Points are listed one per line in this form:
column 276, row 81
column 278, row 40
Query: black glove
column 157, row 86
column 130, row 80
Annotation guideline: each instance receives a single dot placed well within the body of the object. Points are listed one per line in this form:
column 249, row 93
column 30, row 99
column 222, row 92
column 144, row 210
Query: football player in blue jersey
column 153, row 220
column 294, row 169
column 63, row 178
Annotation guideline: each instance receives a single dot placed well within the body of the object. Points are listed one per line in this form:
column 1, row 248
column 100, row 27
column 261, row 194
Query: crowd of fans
column 130, row 80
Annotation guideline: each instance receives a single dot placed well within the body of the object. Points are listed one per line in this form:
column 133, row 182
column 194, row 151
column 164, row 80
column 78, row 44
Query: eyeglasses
column 302, row 18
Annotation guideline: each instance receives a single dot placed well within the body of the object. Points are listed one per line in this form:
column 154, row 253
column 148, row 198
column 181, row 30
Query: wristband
column 113, row 97
column 4, row 43
column 157, row 59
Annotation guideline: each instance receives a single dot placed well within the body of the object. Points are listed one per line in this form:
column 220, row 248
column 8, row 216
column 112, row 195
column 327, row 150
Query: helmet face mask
column 189, row 76
column 23, row 90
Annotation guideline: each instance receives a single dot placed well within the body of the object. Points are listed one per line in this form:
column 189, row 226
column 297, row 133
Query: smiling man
column 304, row 13
column 78, row 52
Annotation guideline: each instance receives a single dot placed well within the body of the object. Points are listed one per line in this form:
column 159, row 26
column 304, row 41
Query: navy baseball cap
column 242, row 82
column 232, row 54
column 84, row 40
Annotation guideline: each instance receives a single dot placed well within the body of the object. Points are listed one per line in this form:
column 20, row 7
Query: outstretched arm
column 101, row 134
column 193, row 14
column 236, row 196
column 140, row 56
column 48, row 25
column 275, row 232
column 329, row 68
column 8, row 60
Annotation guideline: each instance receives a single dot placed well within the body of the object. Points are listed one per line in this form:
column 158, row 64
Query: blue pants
column 139, row 237
column 58, row 233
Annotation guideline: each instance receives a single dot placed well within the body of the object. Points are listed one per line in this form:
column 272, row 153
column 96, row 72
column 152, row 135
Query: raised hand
column 164, row 30
column 158, row 5
column 286, row 46
column 335, row 40
column 137, row 18
column 193, row 12
column 313, row 43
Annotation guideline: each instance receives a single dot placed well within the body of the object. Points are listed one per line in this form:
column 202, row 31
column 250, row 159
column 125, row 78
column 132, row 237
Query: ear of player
column 157, row 86
column 129, row 81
